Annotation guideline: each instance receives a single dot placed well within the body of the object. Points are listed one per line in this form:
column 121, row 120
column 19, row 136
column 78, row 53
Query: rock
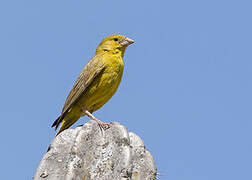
column 91, row 153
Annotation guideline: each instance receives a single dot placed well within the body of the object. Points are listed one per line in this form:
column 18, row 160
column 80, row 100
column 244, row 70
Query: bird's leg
column 99, row 122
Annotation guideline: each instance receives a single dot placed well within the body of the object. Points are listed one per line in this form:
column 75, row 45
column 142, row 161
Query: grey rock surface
column 90, row 153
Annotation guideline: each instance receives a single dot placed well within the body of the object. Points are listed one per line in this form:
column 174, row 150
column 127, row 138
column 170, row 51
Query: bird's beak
column 127, row 42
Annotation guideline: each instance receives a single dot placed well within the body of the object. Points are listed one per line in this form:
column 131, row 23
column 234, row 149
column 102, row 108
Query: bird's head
column 114, row 44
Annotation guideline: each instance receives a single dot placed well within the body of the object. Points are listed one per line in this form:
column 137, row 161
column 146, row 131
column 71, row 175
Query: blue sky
column 186, row 88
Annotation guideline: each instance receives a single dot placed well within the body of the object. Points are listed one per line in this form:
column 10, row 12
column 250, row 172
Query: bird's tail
column 57, row 122
column 66, row 122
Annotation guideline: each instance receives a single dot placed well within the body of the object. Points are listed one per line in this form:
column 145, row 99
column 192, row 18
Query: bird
column 96, row 84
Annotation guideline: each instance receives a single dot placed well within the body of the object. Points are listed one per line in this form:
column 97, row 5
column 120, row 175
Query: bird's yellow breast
column 105, row 84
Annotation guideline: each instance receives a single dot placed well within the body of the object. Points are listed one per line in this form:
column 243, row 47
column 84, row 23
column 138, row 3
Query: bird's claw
column 104, row 126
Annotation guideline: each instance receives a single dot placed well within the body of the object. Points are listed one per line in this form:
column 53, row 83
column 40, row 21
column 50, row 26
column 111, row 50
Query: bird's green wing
column 91, row 70
column 87, row 75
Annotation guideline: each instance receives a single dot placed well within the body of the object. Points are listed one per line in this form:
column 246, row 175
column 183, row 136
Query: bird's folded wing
column 92, row 69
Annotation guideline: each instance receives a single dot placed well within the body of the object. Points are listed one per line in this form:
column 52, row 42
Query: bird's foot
column 103, row 125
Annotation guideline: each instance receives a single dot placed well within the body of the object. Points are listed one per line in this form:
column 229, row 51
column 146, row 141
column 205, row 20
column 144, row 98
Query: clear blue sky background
column 186, row 88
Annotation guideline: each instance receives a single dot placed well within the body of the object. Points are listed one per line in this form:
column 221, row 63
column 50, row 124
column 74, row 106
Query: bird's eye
column 116, row 39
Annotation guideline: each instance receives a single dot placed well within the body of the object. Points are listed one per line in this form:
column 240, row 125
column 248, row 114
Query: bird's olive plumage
column 97, row 82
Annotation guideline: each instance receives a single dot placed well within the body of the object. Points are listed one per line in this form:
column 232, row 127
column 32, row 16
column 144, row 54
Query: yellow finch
column 96, row 84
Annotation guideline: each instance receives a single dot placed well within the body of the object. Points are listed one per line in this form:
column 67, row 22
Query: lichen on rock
column 91, row 153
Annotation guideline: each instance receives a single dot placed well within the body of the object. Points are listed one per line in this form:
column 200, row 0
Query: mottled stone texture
column 90, row 153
